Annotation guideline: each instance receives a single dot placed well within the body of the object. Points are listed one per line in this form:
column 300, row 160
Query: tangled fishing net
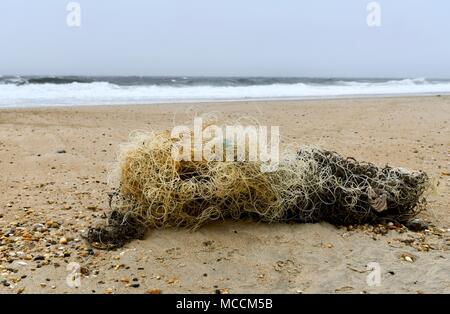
column 153, row 190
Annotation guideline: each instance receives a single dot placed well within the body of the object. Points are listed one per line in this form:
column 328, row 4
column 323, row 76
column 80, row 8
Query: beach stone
column 9, row 232
column 39, row 227
column 52, row 224
column 39, row 258
column 416, row 224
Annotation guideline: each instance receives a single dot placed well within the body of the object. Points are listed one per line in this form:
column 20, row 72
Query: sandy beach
column 54, row 164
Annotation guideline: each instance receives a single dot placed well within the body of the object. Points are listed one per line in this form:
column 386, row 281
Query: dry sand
column 48, row 198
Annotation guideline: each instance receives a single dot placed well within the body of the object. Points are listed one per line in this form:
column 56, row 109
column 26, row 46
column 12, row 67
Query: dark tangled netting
column 344, row 191
column 313, row 185
column 118, row 230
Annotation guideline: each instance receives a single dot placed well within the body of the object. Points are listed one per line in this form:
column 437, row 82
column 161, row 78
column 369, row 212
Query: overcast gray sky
column 226, row 37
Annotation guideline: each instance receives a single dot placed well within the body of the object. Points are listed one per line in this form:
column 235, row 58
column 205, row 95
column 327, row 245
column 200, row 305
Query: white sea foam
column 32, row 95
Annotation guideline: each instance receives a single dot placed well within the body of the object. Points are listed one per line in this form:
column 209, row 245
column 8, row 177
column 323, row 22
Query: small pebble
column 39, row 258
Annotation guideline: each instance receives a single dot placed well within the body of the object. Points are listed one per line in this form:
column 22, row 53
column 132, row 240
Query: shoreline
column 248, row 100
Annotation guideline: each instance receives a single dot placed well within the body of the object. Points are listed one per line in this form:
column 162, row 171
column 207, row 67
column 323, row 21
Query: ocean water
column 36, row 91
